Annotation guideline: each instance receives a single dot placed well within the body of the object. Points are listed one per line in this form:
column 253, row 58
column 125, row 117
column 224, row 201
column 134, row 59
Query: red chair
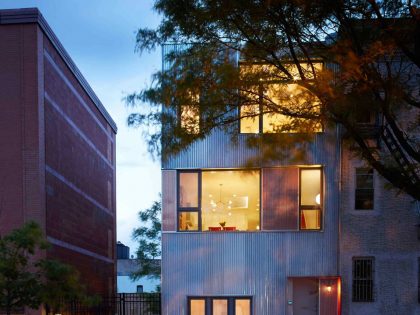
column 215, row 228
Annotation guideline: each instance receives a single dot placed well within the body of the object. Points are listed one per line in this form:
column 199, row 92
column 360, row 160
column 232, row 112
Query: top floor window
column 189, row 114
column 275, row 95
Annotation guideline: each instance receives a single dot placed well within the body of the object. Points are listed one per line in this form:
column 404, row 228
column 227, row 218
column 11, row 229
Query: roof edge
column 33, row 15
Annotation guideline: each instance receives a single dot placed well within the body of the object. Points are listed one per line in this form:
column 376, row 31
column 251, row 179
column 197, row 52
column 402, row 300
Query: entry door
column 305, row 296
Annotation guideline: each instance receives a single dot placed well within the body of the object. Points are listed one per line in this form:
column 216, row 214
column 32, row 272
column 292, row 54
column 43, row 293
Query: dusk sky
column 99, row 35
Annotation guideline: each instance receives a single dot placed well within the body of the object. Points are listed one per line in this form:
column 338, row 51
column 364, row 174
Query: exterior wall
column 58, row 150
column 246, row 263
column 79, row 175
column 21, row 126
column 389, row 234
column 125, row 285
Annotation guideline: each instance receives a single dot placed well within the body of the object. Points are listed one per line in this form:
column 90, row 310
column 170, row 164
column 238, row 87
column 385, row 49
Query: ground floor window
column 223, row 305
column 363, row 269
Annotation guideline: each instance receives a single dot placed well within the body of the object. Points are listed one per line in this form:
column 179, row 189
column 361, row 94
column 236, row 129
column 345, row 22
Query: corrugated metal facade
column 246, row 263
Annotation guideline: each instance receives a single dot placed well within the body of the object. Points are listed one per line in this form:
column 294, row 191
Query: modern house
column 322, row 236
column 251, row 241
column 57, row 149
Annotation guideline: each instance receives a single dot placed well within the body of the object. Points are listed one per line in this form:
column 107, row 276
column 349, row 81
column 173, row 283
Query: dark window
column 364, row 192
column 139, row 288
column 215, row 305
column 363, row 269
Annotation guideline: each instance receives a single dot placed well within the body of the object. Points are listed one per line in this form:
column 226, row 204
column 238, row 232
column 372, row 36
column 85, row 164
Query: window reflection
column 188, row 190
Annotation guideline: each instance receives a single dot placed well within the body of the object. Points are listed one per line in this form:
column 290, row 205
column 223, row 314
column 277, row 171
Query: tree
column 370, row 74
column 148, row 236
column 19, row 283
column 27, row 281
column 61, row 285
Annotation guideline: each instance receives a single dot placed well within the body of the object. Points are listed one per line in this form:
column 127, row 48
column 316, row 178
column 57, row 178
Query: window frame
column 198, row 209
column 260, row 116
column 231, row 305
column 320, row 208
column 180, row 209
column 371, row 279
column 355, row 208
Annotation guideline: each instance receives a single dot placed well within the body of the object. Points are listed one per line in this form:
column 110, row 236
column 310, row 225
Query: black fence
column 120, row 304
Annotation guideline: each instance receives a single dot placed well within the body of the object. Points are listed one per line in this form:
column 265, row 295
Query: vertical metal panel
column 280, row 198
column 169, row 201
column 256, row 264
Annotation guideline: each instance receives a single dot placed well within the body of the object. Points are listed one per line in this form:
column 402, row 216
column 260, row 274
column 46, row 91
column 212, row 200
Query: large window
column 364, row 191
column 219, row 200
column 363, row 270
column 230, row 200
column 310, row 198
column 276, row 94
column 225, row 305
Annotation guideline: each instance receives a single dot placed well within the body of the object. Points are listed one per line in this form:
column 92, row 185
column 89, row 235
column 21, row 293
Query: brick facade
column 57, row 162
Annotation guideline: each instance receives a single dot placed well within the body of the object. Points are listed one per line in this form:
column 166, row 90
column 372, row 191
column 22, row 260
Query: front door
column 305, row 296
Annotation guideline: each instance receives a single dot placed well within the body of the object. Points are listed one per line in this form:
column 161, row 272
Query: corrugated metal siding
column 169, row 200
column 280, row 198
column 218, row 151
column 329, row 300
column 255, row 264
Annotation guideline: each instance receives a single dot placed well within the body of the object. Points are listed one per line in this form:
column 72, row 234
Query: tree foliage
column 370, row 51
column 148, row 236
column 29, row 281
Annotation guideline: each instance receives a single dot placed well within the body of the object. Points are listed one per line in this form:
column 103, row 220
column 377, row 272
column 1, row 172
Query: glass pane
column 290, row 97
column 190, row 119
column 310, row 219
column 364, row 199
column 188, row 190
column 364, row 178
column 188, row 221
column 220, row 307
column 310, row 187
column 198, row 307
column 242, row 307
column 250, row 124
column 230, row 200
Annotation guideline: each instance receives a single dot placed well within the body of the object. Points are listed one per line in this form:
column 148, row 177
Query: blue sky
column 99, row 35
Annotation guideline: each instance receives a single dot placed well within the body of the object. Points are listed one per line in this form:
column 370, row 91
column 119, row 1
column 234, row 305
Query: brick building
column 57, row 144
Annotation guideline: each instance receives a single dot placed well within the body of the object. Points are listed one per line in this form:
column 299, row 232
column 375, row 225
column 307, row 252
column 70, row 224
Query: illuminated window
column 364, row 191
column 189, row 114
column 190, row 119
column 188, row 200
column 310, row 198
column 230, row 200
column 276, row 94
column 197, row 306
column 228, row 305
column 250, row 121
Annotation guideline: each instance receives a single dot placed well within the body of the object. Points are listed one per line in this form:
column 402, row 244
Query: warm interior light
column 329, row 288
column 318, row 199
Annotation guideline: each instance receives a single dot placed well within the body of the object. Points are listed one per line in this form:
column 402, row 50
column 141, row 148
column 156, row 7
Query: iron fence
column 120, row 304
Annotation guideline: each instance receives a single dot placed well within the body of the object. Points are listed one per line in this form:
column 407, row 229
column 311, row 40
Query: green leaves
column 148, row 236
column 27, row 280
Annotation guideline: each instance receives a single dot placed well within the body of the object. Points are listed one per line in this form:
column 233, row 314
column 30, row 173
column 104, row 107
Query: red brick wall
column 57, row 164
column 21, row 128
column 80, row 206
